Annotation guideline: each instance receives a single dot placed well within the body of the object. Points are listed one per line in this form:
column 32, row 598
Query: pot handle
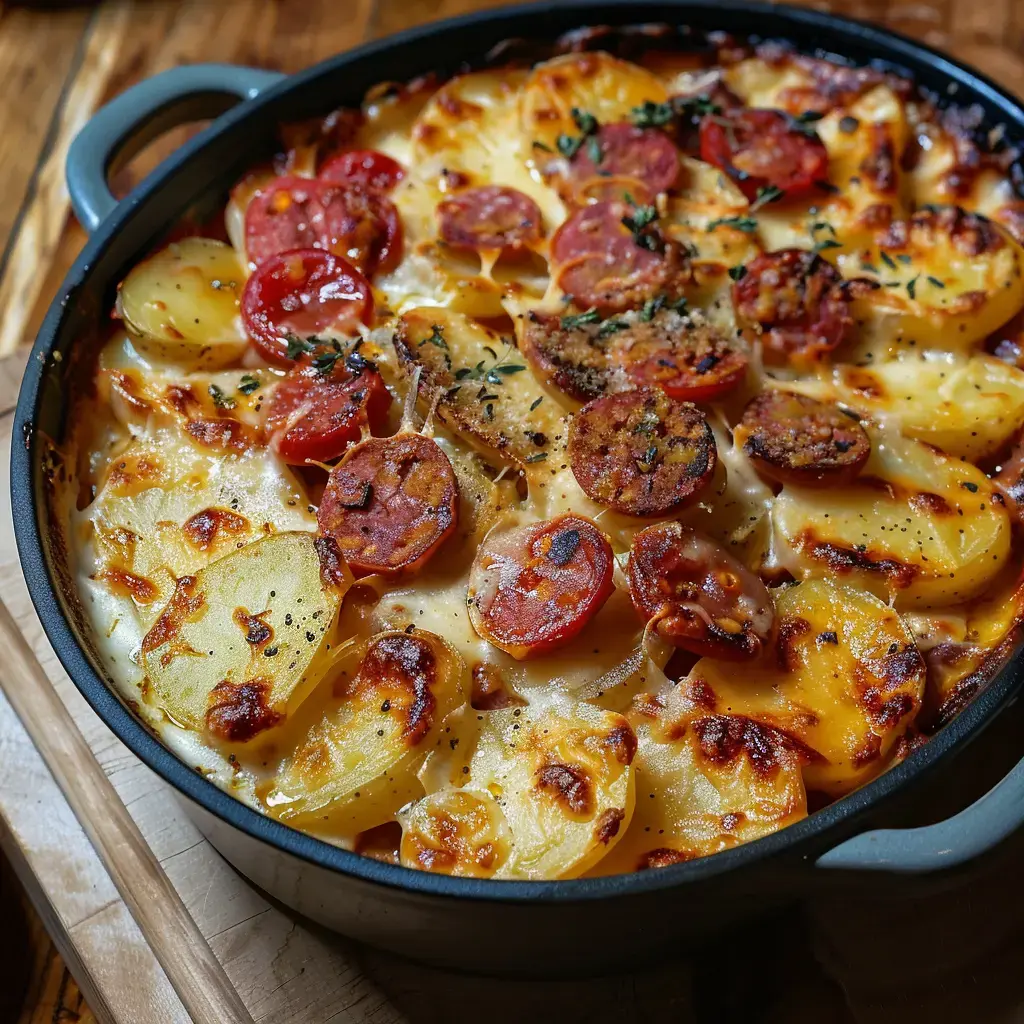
column 946, row 844
column 130, row 121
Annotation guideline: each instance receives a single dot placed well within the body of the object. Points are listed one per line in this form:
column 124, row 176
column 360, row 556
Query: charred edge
column 622, row 743
column 844, row 560
column 333, row 568
column 202, row 529
column 570, row 786
column 664, row 857
column 407, row 662
column 724, row 738
column 185, row 605
column 238, row 712
column 608, row 825
column 786, row 652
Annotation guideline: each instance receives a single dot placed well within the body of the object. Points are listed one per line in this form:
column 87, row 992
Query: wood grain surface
column 58, row 62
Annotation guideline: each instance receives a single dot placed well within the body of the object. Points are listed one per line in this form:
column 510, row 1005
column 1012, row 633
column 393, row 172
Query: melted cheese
column 915, row 551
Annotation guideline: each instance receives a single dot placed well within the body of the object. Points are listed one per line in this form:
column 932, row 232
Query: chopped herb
column 563, row 546
column 610, row 327
column 574, row 320
column 739, row 223
column 826, row 186
column 737, row 273
column 644, row 217
column 324, row 362
column 220, row 400
column 904, row 258
column 822, row 225
column 468, row 373
column 539, row 457
column 869, row 267
column 594, row 150
column 973, row 488
column 912, row 287
column 652, row 115
column 646, row 464
column 436, row 338
column 651, row 307
column 569, row 145
column 537, row 144
column 506, row 369
column 489, row 412
column 888, row 261
column 248, row 384
column 827, row 243
column 536, row 402
column 809, row 116
column 586, row 122
column 298, row 347
column 696, row 106
column 765, row 195
column 848, row 125
column 648, row 424
column 678, row 305
column 934, row 281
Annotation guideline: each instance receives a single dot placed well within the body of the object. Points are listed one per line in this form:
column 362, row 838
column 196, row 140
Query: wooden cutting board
column 56, row 67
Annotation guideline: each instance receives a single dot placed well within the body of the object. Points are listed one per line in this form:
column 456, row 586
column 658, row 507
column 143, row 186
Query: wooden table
column 56, row 66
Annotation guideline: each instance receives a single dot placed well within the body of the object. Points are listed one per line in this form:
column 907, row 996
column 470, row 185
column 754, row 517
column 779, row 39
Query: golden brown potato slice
column 563, row 788
column 918, row 526
column 965, row 406
column 948, row 279
column 483, row 388
column 181, row 305
column 597, row 83
column 705, row 783
column 846, row 681
column 243, row 641
column 355, row 766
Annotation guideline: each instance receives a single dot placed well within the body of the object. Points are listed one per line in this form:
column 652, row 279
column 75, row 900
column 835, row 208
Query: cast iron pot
column 541, row 927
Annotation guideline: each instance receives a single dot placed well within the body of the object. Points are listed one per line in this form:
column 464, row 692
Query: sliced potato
column 706, row 783
column 456, row 832
column 865, row 141
column 965, row 406
column 137, row 395
column 181, row 305
column 483, row 389
column 167, row 508
column 847, row 681
column 917, row 526
column 562, row 780
column 949, row 279
column 355, row 766
column 242, row 642
column 597, row 83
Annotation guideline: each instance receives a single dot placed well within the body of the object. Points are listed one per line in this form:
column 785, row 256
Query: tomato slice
column 303, row 292
column 314, row 416
column 797, row 302
column 792, row 438
column 490, row 218
column 390, row 503
column 763, row 148
column 366, row 168
column 307, row 213
column 533, row 588
column 641, row 161
column 704, row 600
column 641, row 453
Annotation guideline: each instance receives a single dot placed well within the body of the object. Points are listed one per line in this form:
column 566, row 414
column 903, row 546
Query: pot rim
column 29, row 509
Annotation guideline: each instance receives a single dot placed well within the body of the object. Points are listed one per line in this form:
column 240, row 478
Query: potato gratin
column 570, row 468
